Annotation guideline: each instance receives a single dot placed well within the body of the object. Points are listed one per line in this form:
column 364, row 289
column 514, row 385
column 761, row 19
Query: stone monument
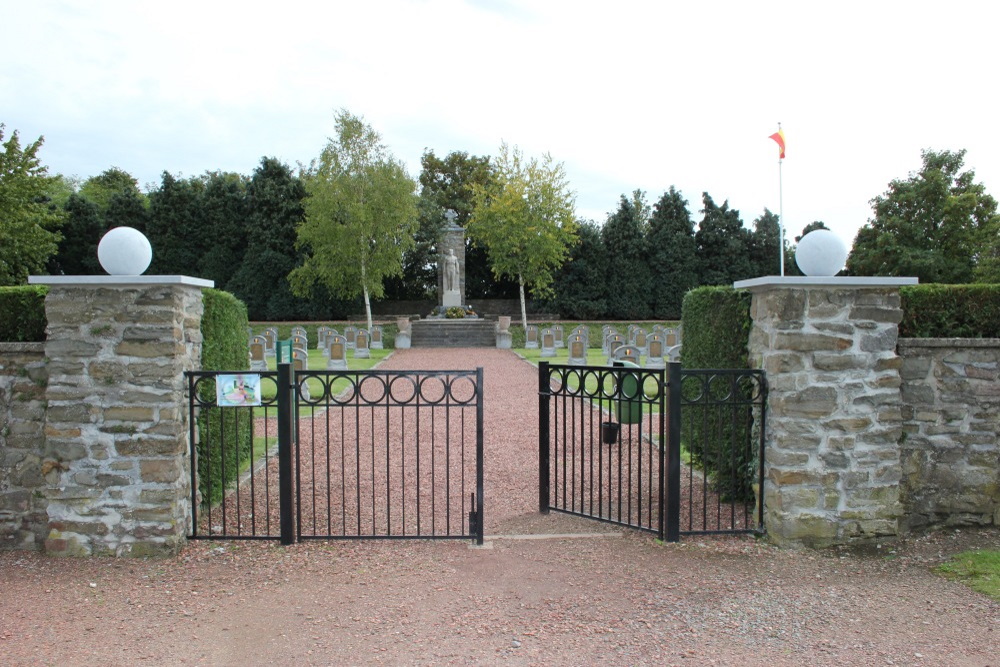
column 451, row 265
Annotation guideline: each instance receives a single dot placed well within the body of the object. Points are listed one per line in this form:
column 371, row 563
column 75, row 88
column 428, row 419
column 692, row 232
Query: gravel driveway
column 601, row 597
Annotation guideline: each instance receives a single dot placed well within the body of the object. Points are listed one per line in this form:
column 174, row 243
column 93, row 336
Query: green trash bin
column 629, row 395
column 283, row 351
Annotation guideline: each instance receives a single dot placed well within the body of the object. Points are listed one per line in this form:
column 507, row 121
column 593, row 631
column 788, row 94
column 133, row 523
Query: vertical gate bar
column 762, row 397
column 447, row 458
column 193, row 453
column 286, row 396
column 433, row 470
column 327, row 390
column 402, row 458
column 480, row 458
column 416, row 442
column 662, row 445
column 267, row 474
column 543, row 437
column 672, row 532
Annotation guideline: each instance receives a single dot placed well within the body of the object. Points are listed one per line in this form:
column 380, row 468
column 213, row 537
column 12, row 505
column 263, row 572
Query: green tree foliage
column 176, row 227
column 673, row 257
column 275, row 208
column 524, row 218
column 361, row 215
column 579, row 284
column 938, row 225
column 765, row 246
column 447, row 184
column 81, row 232
column 111, row 182
column 224, row 209
column 723, row 244
column 628, row 278
column 127, row 208
column 28, row 223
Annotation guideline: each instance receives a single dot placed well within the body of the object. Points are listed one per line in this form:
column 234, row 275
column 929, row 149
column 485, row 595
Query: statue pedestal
column 451, row 298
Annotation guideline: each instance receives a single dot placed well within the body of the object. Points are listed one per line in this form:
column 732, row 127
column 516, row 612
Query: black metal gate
column 669, row 451
column 339, row 455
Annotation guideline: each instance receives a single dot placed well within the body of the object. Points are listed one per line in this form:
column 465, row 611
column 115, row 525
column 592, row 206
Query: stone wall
column 832, row 465
column 23, row 378
column 951, row 449
column 116, row 467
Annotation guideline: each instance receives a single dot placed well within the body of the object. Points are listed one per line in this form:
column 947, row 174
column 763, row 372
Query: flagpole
column 781, row 213
column 781, row 218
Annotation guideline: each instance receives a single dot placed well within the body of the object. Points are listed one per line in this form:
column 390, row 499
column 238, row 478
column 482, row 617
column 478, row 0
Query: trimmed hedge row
column 716, row 328
column 950, row 311
column 226, row 435
column 716, row 332
column 22, row 313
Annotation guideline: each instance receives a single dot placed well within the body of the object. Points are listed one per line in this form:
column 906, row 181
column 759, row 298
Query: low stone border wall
column 23, row 379
column 950, row 450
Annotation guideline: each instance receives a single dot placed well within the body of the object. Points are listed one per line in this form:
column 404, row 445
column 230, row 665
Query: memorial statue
column 451, row 272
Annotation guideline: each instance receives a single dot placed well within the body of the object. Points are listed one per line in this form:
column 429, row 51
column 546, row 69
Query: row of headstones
column 334, row 346
column 658, row 347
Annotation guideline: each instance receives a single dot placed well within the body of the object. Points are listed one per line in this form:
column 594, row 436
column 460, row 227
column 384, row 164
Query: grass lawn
column 318, row 362
column 979, row 570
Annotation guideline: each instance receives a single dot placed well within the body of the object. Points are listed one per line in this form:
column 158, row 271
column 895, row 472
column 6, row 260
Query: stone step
column 453, row 333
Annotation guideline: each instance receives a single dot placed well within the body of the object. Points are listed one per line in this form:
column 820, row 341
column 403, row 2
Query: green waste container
column 629, row 395
column 283, row 351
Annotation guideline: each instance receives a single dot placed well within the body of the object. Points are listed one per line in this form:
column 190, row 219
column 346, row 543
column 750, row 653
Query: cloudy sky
column 627, row 94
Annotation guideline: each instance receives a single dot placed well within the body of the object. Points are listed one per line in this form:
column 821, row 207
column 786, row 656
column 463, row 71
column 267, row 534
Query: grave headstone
column 674, row 353
column 361, row 349
column 639, row 339
column 577, row 350
column 531, row 337
column 321, row 334
column 336, row 352
column 557, row 332
column 376, row 338
column 612, row 343
column 349, row 334
column 655, row 351
column 627, row 353
column 548, row 343
column 670, row 337
column 300, row 362
column 299, row 342
column 258, row 356
column 271, row 334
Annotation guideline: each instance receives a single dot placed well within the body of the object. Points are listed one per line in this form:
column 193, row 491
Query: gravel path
column 618, row 598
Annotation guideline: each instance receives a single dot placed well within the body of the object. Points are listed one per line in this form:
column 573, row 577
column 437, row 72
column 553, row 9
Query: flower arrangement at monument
column 453, row 312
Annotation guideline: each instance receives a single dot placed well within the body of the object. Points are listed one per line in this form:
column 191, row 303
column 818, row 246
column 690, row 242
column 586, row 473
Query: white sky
column 627, row 94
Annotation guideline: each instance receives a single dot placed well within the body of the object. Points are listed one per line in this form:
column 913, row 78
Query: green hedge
column 226, row 434
column 22, row 313
column 950, row 311
column 717, row 324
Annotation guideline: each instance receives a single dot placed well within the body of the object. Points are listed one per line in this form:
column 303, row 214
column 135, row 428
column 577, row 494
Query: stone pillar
column 117, row 468
column 834, row 411
column 452, row 239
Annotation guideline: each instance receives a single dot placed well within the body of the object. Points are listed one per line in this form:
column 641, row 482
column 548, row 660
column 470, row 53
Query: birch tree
column 525, row 219
column 360, row 216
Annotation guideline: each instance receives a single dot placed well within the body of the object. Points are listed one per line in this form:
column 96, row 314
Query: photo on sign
column 237, row 390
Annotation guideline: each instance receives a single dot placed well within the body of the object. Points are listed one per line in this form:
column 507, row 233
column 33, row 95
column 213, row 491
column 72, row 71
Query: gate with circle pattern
column 669, row 451
column 340, row 455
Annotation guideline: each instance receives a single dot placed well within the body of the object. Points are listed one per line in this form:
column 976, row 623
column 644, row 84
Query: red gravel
column 620, row 598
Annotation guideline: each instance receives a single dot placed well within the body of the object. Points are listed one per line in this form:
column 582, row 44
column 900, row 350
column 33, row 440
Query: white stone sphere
column 821, row 253
column 124, row 251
